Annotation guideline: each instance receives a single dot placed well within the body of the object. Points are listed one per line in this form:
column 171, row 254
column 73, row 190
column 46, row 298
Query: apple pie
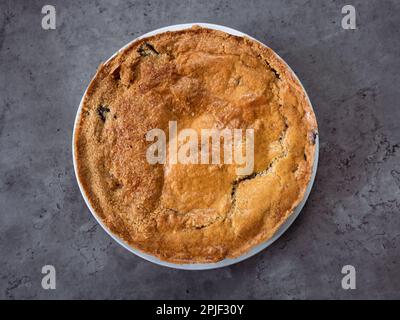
column 198, row 79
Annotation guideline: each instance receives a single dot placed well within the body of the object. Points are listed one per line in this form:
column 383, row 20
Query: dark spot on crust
column 276, row 73
column 102, row 111
column 313, row 136
column 146, row 49
column 117, row 185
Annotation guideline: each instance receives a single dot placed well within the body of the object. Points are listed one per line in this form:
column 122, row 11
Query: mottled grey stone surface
column 352, row 216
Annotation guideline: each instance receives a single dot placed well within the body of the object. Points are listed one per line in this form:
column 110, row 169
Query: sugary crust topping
column 201, row 78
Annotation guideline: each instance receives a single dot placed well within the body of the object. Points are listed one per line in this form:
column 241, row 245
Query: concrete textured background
column 352, row 216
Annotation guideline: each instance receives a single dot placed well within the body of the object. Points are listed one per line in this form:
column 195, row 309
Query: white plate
column 225, row 262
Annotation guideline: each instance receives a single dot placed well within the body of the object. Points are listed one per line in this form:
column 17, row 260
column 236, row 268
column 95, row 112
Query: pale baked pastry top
column 201, row 78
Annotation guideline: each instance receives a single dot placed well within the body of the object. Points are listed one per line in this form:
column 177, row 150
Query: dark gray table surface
column 352, row 215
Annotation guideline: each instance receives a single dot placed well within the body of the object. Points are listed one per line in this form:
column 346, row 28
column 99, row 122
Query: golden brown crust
column 201, row 78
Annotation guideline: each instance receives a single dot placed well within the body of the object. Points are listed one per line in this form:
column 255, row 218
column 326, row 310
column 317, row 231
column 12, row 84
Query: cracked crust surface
column 203, row 79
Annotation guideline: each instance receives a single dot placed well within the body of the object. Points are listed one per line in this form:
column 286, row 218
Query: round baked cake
column 194, row 207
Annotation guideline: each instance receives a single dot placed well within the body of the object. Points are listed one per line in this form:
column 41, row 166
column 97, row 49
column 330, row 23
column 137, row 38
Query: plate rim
column 227, row 261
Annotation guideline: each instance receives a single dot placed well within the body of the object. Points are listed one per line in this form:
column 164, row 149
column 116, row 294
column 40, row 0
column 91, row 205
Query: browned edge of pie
column 118, row 227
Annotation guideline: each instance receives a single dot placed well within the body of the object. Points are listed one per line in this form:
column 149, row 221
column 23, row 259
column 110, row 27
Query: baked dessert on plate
column 195, row 146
